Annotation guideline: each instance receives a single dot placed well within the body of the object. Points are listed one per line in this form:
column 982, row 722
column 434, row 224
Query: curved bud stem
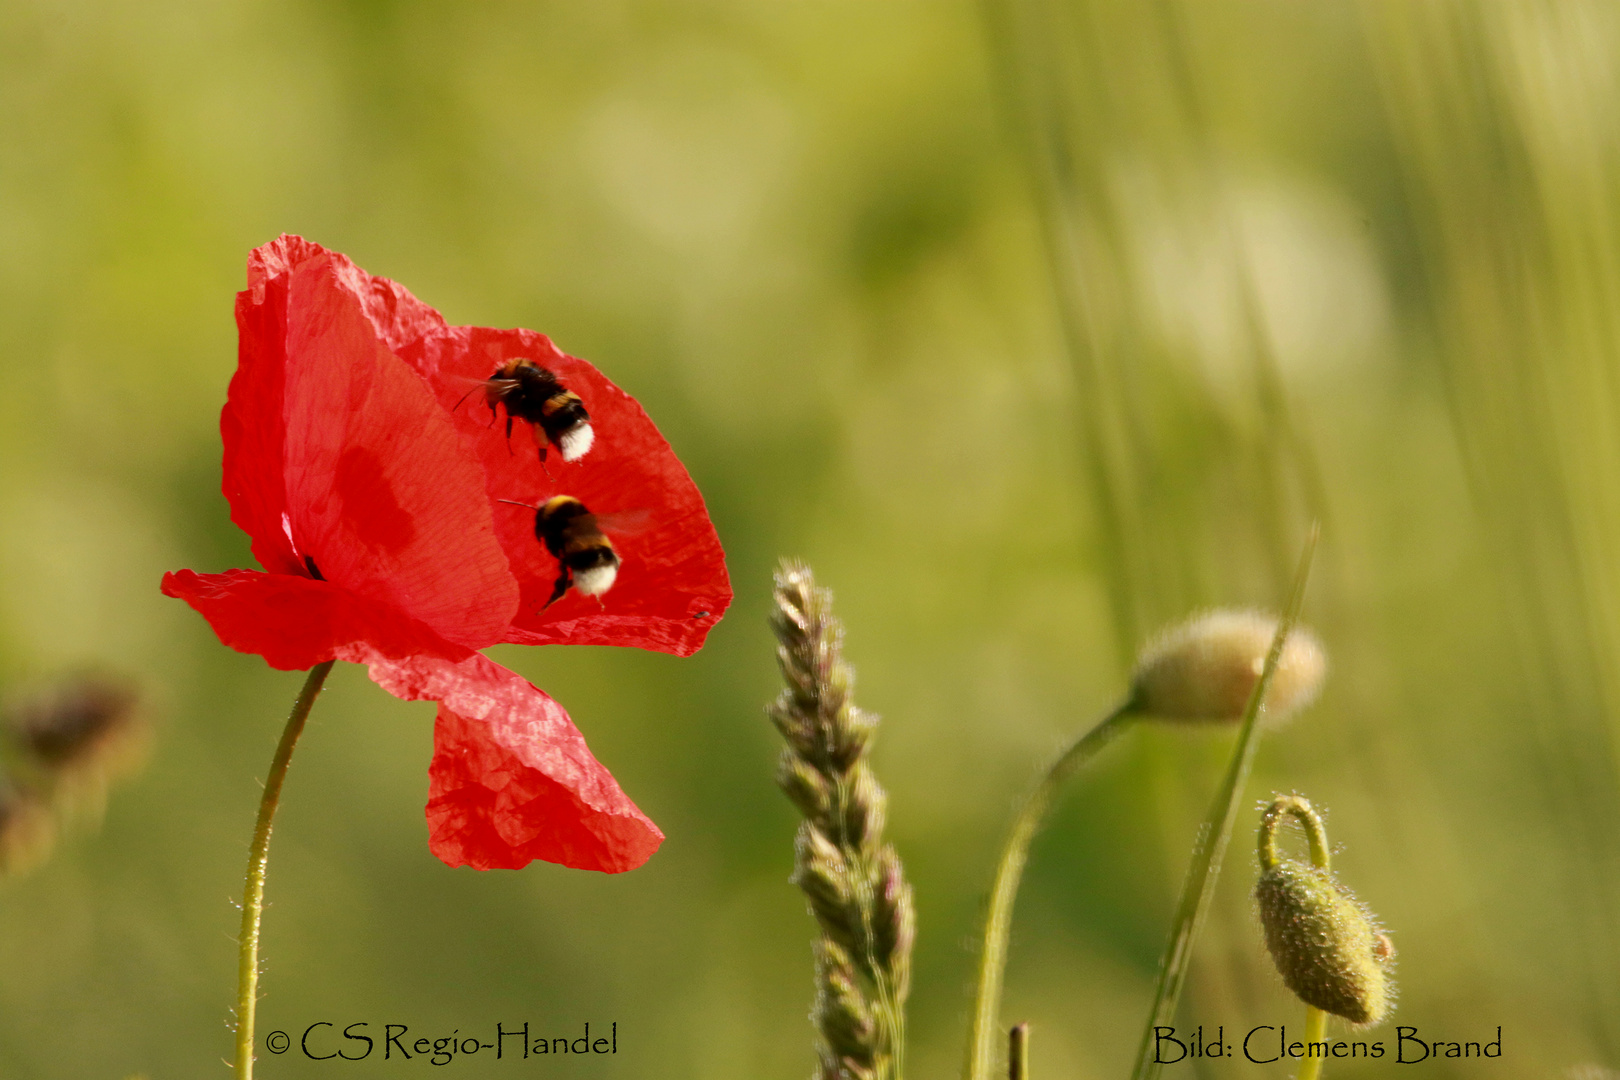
column 1009, row 872
column 1210, row 850
column 1307, row 816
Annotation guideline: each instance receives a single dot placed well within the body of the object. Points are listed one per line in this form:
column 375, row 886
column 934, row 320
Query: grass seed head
column 854, row 882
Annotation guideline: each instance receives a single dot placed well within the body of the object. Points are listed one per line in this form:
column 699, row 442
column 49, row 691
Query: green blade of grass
column 1216, row 832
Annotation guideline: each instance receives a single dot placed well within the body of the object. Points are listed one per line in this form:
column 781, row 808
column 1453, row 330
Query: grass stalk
column 1199, row 886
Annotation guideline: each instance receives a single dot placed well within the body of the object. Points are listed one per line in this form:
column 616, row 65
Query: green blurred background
column 1031, row 325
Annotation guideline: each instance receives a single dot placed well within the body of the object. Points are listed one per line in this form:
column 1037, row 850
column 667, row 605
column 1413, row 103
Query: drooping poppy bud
column 1327, row 946
column 1206, row 668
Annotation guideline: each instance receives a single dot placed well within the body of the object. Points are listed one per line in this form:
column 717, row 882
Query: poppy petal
column 297, row 622
column 339, row 460
column 672, row 585
column 398, row 317
column 512, row 779
column 253, row 430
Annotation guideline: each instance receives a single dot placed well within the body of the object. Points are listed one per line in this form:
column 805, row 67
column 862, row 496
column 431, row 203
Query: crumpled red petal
column 296, row 622
column 672, row 587
column 336, row 452
column 512, row 779
column 398, row 316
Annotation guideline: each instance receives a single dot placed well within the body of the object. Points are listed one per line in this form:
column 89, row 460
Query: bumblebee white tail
column 595, row 581
column 576, row 442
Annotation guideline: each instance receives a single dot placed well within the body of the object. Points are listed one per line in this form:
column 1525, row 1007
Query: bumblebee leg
column 564, row 579
column 541, row 440
column 464, row 397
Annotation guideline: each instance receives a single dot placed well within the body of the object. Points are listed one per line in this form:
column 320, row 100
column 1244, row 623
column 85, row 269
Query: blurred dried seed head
column 1206, row 668
column 60, row 746
column 895, row 929
column 80, row 726
column 27, row 828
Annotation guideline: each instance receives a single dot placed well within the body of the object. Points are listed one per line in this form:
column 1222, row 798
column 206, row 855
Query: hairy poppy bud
column 1327, row 946
column 1206, row 668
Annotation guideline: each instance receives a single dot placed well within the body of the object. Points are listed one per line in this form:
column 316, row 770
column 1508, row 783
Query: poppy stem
column 247, row 968
column 1315, row 1032
column 1010, row 872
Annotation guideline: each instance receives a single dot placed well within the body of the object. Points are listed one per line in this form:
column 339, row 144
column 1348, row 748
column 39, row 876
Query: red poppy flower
column 371, row 494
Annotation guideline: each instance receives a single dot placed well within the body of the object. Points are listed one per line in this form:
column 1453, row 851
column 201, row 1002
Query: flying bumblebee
column 585, row 556
column 536, row 396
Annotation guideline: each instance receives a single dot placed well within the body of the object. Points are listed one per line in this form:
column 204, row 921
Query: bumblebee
column 536, row 396
column 585, row 556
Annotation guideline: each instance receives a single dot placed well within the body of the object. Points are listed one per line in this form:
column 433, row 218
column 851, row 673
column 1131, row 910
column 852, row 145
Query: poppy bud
column 1328, row 948
column 1206, row 668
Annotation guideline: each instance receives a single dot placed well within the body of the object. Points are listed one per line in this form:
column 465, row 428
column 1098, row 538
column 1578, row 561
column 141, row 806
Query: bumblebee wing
column 465, row 387
column 624, row 522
